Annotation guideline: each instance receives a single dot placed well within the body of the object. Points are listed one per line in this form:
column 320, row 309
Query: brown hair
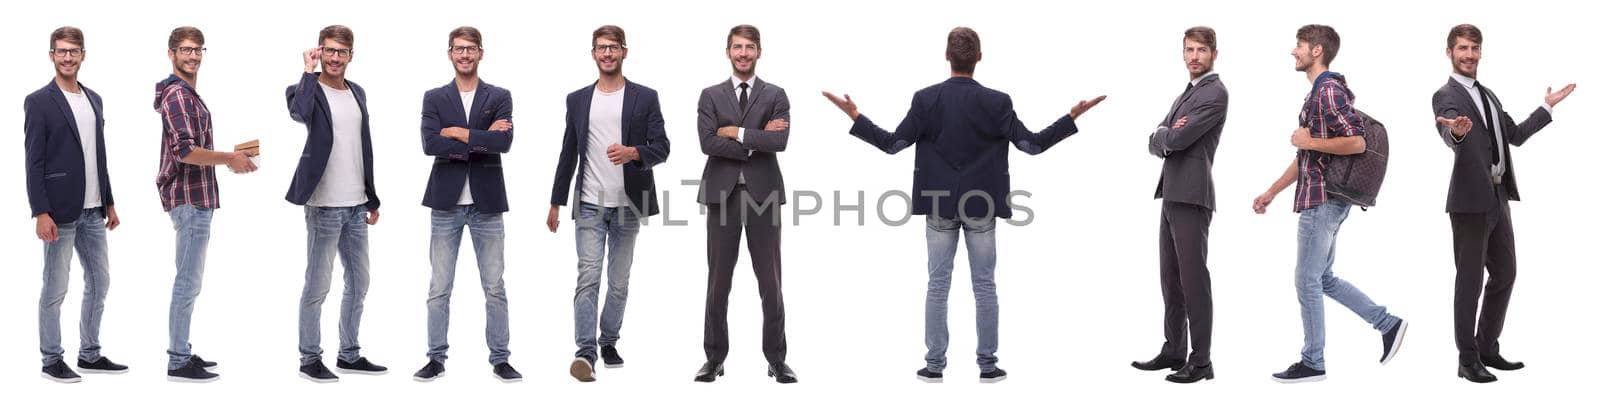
column 962, row 49
column 1467, row 31
column 72, row 35
column 466, row 33
column 337, row 33
column 185, row 33
column 745, row 31
column 1315, row 35
column 610, row 32
column 1203, row 35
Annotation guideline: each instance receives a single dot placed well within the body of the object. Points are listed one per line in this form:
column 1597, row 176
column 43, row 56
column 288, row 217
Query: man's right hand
column 45, row 227
column 845, row 104
column 311, row 56
column 1261, row 202
column 1182, row 121
column 554, row 221
column 777, row 125
column 1458, row 126
column 239, row 163
column 500, row 125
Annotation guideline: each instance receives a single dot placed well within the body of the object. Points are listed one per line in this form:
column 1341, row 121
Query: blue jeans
column 489, row 243
column 193, row 227
column 88, row 236
column 603, row 234
column 329, row 231
column 1313, row 278
column 943, row 234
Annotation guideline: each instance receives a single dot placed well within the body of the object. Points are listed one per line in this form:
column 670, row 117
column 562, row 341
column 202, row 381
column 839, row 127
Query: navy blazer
column 642, row 127
column 55, row 154
column 308, row 104
column 456, row 163
column 962, row 131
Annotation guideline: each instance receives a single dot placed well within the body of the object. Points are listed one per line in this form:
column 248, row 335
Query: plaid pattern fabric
column 1328, row 113
column 185, row 125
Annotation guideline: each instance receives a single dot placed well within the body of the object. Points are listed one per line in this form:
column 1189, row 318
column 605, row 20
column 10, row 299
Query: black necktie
column 1490, row 122
column 744, row 95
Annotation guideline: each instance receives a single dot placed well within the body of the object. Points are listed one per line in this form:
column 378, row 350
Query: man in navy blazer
column 614, row 127
column 69, row 191
column 963, row 132
column 466, row 125
column 334, row 183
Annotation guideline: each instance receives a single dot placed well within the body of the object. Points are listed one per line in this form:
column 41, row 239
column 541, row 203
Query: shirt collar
column 734, row 80
column 1470, row 83
column 1196, row 81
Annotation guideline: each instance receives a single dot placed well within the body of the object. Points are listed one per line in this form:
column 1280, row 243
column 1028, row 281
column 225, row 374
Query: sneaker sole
column 316, row 380
column 176, row 379
column 1308, row 379
column 361, row 372
column 581, row 370
column 1398, row 339
column 613, row 365
column 926, row 379
column 47, row 376
column 505, row 380
column 427, row 379
column 100, row 371
column 991, row 379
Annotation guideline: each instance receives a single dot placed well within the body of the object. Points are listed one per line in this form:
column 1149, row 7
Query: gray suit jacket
column 1188, row 152
column 1471, row 182
column 756, row 157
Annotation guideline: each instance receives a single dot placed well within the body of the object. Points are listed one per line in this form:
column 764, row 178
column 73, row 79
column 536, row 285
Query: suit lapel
column 628, row 102
column 60, row 96
column 454, row 96
column 478, row 98
column 581, row 117
column 1461, row 91
column 756, row 88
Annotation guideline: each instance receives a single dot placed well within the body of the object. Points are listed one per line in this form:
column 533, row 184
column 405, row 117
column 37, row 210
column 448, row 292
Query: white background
column 1078, row 286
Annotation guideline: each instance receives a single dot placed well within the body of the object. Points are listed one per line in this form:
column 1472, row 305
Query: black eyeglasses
column 189, row 50
column 466, row 50
column 612, row 48
column 63, row 52
column 336, row 52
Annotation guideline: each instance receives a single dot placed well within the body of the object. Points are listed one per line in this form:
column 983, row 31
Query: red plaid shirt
column 1328, row 113
column 185, row 125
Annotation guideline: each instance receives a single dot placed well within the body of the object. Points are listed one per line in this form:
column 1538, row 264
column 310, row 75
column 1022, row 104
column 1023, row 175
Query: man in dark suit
column 333, row 182
column 466, row 125
column 963, row 132
column 1186, row 141
column 744, row 123
column 615, row 129
column 69, row 192
column 1482, row 182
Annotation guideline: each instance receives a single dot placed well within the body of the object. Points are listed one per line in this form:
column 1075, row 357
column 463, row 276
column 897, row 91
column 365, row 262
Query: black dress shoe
column 1474, row 372
column 1500, row 363
column 782, row 372
column 1191, row 373
column 708, row 372
column 1159, row 363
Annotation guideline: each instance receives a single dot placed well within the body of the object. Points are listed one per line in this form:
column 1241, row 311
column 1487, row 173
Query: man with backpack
column 1331, row 134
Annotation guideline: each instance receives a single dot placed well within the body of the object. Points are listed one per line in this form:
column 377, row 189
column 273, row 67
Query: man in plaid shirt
column 187, row 183
column 1329, row 126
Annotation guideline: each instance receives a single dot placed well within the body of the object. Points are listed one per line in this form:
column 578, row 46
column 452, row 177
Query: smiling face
column 1198, row 57
column 743, row 53
column 465, row 55
column 186, row 57
column 67, row 57
column 336, row 57
column 1305, row 55
column 1464, row 55
column 608, row 55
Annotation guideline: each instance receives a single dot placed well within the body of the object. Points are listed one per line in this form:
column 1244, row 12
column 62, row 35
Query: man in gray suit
column 744, row 123
column 1481, row 185
column 1186, row 141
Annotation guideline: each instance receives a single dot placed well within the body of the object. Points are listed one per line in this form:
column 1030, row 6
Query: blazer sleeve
column 710, row 143
column 486, row 141
column 760, row 139
column 1525, row 130
column 1026, row 140
column 1444, row 107
column 432, row 143
column 656, row 146
column 904, row 135
column 36, row 134
column 1204, row 117
column 302, row 98
column 567, row 163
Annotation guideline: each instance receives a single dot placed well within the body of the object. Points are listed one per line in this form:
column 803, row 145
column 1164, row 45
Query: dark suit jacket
column 642, row 127
column 962, row 131
column 456, row 163
column 1188, row 152
column 308, row 104
column 54, row 153
column 1471, row 182
column 757, row 157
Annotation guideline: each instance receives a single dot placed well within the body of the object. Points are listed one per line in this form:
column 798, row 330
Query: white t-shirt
column 602, row 182
column 83, row 113
column 344, row 180
column 466, row 106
